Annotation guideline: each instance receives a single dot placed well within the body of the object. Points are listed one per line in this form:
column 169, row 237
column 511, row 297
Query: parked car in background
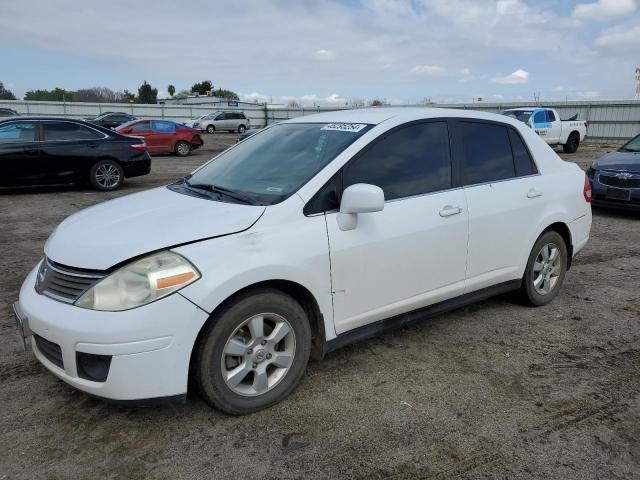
column 318, row 232
column 615, row 177
column 546, row 123
column 111, row 119
column 164, row 136
column 194, row 122
column 8, row 112
column 247, row 133
column 224, row 122
column 48, row 151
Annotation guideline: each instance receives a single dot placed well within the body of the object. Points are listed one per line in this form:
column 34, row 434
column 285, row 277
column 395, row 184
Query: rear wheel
column 183, row 148
column 572, row 143
column 546, row 269
column 211, row 129
column 253, row 353
column 241, row 129
column 106, row 175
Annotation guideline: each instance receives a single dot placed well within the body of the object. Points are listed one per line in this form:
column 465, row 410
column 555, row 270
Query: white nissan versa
column 312, row 233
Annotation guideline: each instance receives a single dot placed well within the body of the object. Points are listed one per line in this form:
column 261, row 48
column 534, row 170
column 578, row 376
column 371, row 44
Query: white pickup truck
column 546, row 122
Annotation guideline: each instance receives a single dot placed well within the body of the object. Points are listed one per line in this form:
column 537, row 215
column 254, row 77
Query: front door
column 412, row 253
column 20, row 161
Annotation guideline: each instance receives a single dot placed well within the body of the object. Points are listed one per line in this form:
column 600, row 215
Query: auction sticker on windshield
column 345, row 127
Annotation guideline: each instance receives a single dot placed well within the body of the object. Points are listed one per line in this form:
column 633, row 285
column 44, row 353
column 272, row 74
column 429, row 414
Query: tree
column 201, row 88
column 100, row 95
column 56, row 95
column 183, row 94
column 147, row 94
column 293, row 104
column 6, row 94
column 171, row 89
column 228, row 94
column 376, row 102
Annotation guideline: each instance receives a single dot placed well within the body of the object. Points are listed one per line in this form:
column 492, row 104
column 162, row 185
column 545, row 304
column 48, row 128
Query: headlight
column 140, row 282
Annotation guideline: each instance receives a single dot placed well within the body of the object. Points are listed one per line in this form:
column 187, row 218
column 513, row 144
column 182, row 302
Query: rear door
column 164, row 134
column 20, row 162
column 504, row 193
column 143, row 129
column 412, row 253
column 68, row 150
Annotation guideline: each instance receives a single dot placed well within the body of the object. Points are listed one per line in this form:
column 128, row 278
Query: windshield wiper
column 220, row 191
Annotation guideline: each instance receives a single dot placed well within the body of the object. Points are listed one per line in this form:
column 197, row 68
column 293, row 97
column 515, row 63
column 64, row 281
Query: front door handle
column 449, row 210
column 533, row 193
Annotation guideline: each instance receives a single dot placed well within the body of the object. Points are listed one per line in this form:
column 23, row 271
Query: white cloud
column 253, row 97
column 603, row 9
column 620, row 37
column 428, row 71
column 464, row 71
column 518, row 77
column 324, row 55
column 335, row 99
column 510, row 7
column 588, row 95
column 306, row 99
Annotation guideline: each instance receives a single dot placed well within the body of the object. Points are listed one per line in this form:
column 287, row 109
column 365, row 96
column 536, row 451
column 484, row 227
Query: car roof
column 43, row 117
column 376, row 116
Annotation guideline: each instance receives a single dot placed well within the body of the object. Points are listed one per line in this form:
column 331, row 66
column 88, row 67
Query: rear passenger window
column 551, row 116
column 68, row 131
column 485, row 152
column 410, row 161
column 159, row 126
column 524, row 162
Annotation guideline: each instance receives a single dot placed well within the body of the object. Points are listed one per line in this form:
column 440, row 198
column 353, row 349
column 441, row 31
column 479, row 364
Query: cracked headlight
column 140, row 282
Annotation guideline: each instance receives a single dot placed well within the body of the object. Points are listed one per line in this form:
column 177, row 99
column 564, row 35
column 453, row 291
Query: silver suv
column 223, row 121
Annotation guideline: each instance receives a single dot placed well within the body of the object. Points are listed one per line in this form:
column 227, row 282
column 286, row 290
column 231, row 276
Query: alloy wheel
column 547, row 268
column 183, row 148
column 258, row 354
column 107, row 175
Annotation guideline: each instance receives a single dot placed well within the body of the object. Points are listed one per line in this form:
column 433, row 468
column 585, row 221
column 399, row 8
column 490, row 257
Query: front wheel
column 211, row 129
column 241, row 129
column 253, row 353
column 183, row 148
column 545, row 270
column 572, row 143
column 106, row 175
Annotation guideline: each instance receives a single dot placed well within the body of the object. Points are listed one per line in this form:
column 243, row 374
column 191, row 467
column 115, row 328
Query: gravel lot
column 495, row 390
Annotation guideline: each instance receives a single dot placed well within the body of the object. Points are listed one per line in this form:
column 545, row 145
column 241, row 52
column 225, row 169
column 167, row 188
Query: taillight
column 141, row 147
column 586, row 191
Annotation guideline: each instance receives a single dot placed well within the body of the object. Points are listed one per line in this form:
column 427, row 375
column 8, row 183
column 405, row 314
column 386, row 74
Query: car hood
column 627, row 161
column 109, row 233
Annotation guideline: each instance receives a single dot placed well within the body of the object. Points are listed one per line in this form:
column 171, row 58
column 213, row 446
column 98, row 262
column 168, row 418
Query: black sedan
column 615, row 177
column 111, row 119
column 53, row 151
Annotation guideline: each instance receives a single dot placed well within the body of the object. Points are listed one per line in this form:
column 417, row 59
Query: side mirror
column 359, row 198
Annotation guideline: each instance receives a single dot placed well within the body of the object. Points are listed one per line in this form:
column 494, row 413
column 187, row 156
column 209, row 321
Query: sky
column 328, row 52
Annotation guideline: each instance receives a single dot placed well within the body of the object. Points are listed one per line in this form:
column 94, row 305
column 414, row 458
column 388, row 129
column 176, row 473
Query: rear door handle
column 533, row 193
column 449, row 210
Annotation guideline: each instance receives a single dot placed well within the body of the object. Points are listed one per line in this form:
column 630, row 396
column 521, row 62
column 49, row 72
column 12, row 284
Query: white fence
column 608, row 120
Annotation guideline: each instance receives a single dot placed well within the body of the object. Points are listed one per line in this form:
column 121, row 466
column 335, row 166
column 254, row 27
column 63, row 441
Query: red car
column 163, row 136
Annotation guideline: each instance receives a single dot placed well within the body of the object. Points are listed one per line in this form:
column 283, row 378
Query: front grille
column 63, row 283
column 50, row 350
column 614, row 181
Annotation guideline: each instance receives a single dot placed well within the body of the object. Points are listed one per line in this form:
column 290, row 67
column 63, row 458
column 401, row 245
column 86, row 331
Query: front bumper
column 601, row 195
column 149, row 347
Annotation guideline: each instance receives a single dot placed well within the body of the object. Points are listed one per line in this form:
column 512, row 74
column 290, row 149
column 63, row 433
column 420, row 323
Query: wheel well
column 565, row 233
column 301, row 295
column 576, row 132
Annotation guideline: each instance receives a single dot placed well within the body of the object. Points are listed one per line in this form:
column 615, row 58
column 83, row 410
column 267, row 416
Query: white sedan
column 311, row 234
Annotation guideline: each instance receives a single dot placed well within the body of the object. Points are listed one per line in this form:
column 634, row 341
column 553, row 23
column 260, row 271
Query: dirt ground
column 495, row 390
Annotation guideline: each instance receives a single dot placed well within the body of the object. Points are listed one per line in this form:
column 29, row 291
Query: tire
column 242, row 129
column 541, row 274
column 572, row 143
column 211, row 129
column 106, row 175
column 228, row 344
column 182, row 148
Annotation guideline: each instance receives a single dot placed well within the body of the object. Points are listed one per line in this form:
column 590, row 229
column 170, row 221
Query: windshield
column 522, row 115
column 271, row 165
column 632, row 145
